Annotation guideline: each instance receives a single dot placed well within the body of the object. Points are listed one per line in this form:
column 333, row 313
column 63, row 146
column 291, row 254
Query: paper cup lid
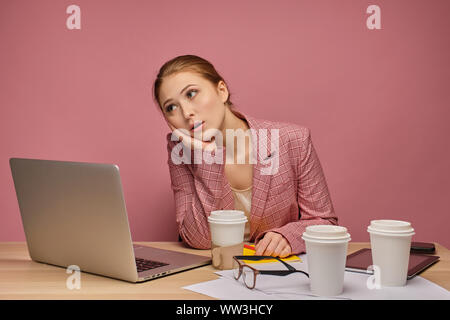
column 326, row 232
column 390, row 226
column 227, row 216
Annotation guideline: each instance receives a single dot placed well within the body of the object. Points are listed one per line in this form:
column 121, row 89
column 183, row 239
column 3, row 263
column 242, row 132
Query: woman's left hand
column 273, row 244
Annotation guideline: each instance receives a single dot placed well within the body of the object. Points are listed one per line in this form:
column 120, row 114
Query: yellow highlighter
column 249, row 250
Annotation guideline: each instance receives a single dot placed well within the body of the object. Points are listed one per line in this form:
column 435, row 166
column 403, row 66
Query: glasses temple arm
column 287, row 265
column 281, row 272
column 257, row 258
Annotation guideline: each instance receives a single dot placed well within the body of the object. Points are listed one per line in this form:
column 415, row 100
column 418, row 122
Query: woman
column 194, row 100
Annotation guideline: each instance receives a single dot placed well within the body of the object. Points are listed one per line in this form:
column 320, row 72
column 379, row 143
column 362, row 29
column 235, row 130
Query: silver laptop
column 74, row 213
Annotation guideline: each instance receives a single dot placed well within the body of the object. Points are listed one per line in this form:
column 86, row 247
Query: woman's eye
column 193, row 90
column 170, row 107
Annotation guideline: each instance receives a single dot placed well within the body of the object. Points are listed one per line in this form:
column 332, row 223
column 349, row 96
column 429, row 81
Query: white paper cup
column 227, row 227
column 227, row 236
column 326, row 249
column 390, row 241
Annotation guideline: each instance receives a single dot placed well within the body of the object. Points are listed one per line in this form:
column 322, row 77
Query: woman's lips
column 198, row 126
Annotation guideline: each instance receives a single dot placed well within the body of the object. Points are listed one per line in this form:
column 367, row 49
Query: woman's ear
column 222, row 90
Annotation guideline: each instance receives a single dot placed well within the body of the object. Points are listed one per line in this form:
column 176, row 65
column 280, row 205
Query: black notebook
column 360, row 260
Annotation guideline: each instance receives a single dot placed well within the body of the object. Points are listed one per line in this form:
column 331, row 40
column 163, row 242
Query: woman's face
column 187, row 97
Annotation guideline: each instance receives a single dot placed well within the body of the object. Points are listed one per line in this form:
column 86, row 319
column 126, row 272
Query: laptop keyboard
column 143, row 265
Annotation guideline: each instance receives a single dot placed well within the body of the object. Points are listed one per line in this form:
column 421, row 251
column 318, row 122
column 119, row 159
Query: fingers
column 187, row 140
column 283, row 249
column 191, row 142
column 287, row 251
column 281, row 246
column 273, row 244
column 262, row 245
column 274, row 240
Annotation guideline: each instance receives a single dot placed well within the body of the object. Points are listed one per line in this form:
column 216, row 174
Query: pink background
column 376, row 101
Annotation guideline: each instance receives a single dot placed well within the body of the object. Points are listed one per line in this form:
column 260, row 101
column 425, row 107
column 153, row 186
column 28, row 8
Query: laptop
column 74, row 213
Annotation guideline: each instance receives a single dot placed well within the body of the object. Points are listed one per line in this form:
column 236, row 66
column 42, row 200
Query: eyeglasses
column 249, row 273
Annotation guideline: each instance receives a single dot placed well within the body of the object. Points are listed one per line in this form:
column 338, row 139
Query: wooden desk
column 21, row 278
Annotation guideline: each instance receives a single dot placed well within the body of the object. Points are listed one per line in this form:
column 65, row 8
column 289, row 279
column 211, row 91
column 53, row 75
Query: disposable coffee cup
column 390, row 241
column 326, row 249
column 227, row 236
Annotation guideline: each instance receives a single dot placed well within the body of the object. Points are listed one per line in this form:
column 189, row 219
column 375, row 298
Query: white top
column 243, row 202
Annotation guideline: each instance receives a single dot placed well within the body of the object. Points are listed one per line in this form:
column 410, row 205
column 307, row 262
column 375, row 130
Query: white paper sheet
column 226, row 289
column 296, row 286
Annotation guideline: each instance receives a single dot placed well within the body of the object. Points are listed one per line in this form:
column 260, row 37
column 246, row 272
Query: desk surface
column 22, row 278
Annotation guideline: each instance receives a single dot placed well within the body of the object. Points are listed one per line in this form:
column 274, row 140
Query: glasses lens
column 249, row 277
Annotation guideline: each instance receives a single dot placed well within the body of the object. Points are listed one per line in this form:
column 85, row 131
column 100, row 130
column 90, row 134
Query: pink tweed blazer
column 286, row 202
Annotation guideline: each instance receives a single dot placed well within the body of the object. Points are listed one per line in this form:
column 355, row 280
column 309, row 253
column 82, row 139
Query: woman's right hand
column 191, row 142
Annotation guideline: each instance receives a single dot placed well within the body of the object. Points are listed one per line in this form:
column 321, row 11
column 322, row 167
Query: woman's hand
column 273, row 244
column 191, row 142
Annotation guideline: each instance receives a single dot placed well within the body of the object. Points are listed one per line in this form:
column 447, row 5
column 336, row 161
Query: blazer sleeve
column 196, row 191
column 313, row 196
